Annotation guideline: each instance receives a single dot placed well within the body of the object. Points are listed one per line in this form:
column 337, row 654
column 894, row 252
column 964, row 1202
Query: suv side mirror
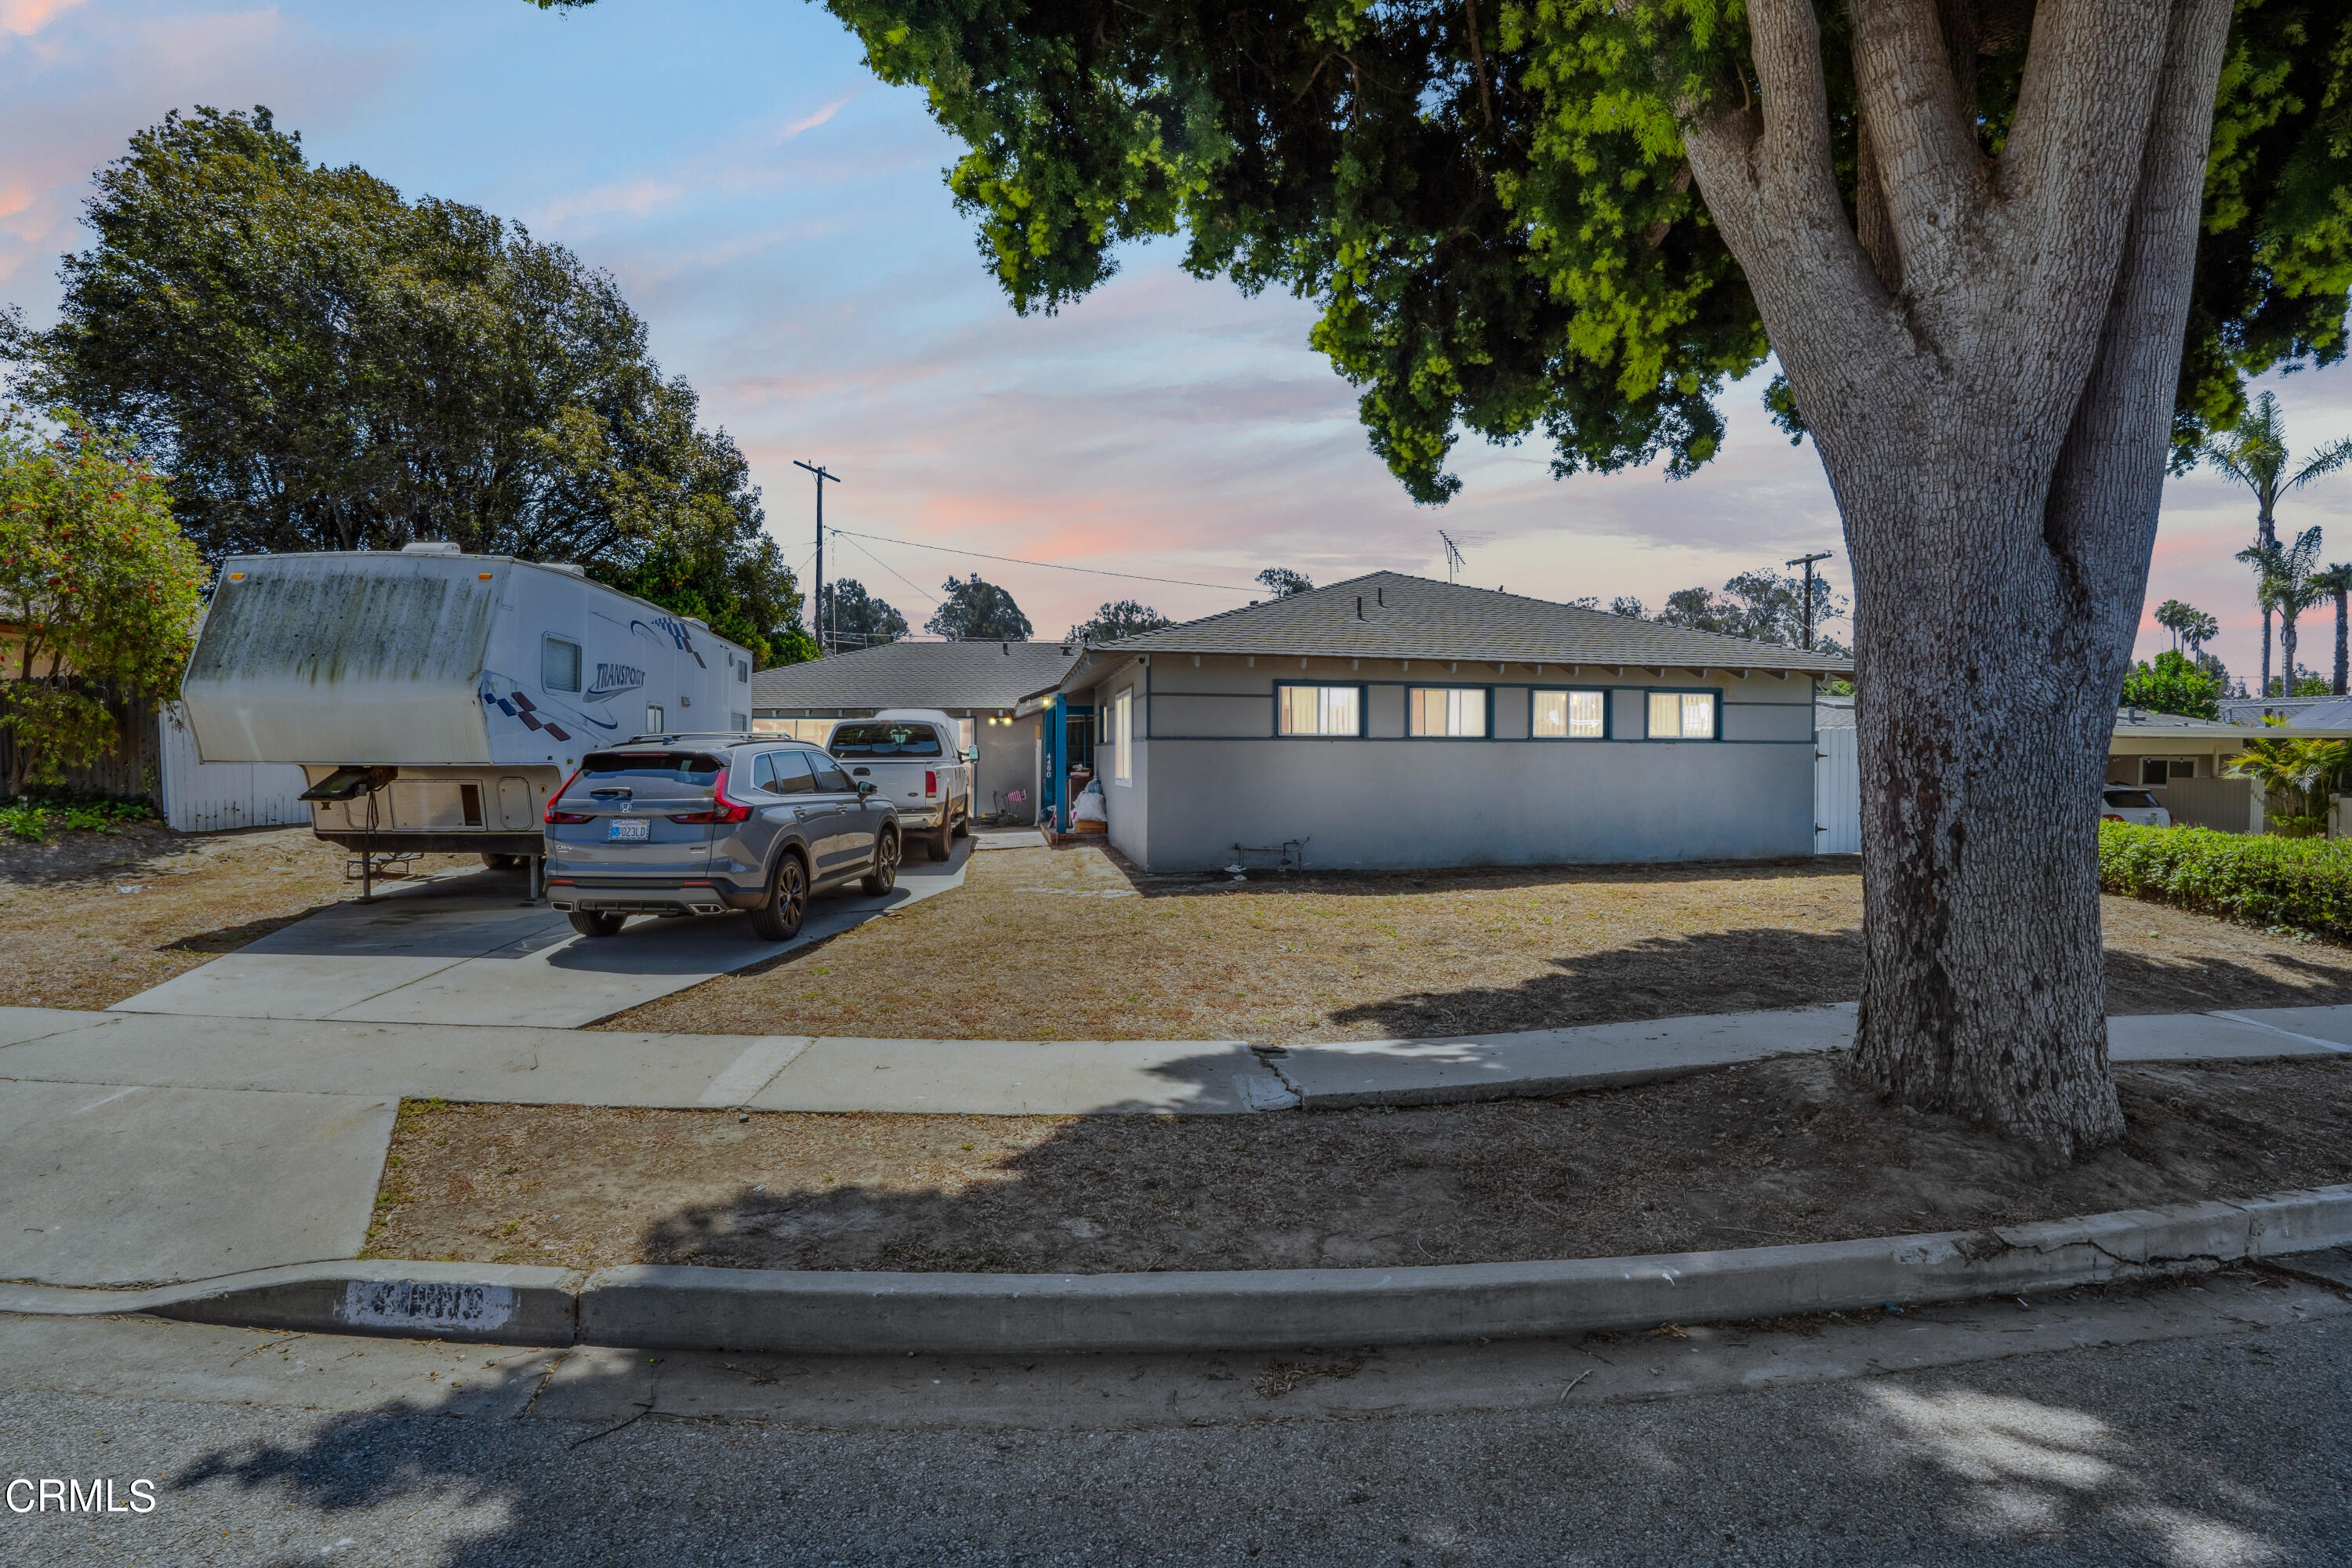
column 864, row 787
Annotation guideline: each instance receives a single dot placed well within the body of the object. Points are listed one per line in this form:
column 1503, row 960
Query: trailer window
column 884, row 741
column 676, row 767
column 559, row 665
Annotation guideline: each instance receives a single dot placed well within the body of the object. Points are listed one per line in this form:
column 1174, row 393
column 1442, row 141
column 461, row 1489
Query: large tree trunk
column 1994, row 417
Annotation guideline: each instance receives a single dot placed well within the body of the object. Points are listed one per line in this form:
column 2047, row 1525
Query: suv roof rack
column 675, row 735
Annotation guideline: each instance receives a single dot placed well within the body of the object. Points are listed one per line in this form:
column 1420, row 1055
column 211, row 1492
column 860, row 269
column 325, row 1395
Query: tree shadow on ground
column 1771, row 967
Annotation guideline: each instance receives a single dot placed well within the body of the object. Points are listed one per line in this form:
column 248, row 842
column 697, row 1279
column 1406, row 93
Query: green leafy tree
column 1124, row 619
column 1282, row 581
column 101, row 592
column 319, row 363
column 974, row 611
column 2010, row 257
column 2172, row 683
column 1762, row 605
column 2284, row 585
column 854, row 618
column 2253, row 452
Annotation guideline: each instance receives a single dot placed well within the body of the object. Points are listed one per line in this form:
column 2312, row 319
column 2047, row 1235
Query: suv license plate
column 626, row 830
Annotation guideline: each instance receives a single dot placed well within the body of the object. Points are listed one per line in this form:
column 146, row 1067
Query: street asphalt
column 2197, row 1426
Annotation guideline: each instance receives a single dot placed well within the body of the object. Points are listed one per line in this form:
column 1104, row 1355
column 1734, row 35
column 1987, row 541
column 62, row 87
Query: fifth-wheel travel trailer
column 436, row 700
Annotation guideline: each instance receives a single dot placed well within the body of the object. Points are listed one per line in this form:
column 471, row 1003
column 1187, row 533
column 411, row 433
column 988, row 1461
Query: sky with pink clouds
column 778, row 218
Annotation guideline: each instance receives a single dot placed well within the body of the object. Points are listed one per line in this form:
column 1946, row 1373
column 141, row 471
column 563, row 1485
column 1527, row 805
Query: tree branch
column 1925, row 147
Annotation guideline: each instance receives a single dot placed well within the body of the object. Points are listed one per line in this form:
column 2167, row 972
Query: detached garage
column 1396, row 722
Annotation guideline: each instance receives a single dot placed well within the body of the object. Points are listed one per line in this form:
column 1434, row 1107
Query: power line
column 885, row 566
column 1051, row 565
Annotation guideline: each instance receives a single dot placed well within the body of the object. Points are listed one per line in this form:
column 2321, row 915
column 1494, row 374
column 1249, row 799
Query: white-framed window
column 1569, row 715
column 559, row 665
column 1319, row 710
column 1682, row 715
column 1122, row 735
column 1459, row 712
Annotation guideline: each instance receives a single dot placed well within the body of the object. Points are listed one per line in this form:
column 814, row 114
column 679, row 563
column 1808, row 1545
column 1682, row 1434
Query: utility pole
column 1807, row 562
column 816, row 605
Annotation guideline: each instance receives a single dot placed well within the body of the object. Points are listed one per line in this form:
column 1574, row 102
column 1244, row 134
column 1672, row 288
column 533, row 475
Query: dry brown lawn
column 1069, row 944
column 1779, row 1152
column 89, row 918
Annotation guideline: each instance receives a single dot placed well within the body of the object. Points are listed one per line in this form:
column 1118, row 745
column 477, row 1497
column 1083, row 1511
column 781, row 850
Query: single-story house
column 1393, row 721
column 978, row 683
column 2184, row 763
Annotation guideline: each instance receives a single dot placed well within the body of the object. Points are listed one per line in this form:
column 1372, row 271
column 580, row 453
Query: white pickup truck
column 911, row 758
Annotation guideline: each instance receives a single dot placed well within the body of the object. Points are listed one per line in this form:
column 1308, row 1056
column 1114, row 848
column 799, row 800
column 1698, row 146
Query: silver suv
column 700, row 824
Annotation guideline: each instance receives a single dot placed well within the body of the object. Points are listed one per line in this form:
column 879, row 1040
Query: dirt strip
column 1073, row 944
column 1779, row 1152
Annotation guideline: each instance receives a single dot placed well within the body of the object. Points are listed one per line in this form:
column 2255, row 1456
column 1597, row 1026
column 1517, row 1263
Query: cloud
column 807, row 122
column 633, row 198
column 25, row 18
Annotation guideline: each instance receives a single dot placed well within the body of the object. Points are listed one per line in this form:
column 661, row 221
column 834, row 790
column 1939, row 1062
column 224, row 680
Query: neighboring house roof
column 1417, row 617
column 916, row 675
column 1832, row 712
column 2303, row 715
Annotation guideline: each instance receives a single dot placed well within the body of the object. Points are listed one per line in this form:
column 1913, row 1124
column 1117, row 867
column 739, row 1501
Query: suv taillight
column 931, row 782
column 722, row 809
column 553, row 815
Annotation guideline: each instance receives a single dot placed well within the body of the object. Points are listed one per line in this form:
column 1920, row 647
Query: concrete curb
column 485, row 1303
column 859, row 1313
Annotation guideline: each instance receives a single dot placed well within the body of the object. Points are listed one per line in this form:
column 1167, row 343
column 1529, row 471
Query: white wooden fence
column 208, row 797
column 1837, row 792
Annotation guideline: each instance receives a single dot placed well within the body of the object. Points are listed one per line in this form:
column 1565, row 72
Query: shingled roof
column 916, row 675
column 1388, row 615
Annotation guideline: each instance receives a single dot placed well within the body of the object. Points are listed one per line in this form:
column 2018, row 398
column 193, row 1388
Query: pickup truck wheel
column 778, row 916
column 597, row 922
column 885, row 875
column 939, row 846
column 963, row 823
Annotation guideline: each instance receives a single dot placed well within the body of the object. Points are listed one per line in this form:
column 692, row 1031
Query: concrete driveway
column 466, row 949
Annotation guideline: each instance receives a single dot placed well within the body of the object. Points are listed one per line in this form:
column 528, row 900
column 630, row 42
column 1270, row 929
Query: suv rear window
column 2137, row 799
column 677, row 767
column 884, row 741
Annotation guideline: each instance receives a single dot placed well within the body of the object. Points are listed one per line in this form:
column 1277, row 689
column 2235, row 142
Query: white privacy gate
column 1837, row 792
column 208, row 797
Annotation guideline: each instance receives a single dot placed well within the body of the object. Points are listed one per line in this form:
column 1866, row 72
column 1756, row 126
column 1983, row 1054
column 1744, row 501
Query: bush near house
column 2304, row 883
column 35, row 817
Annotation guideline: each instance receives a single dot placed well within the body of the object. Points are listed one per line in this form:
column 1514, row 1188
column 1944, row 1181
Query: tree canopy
column 854, row 618
column 975, row 611
column 1125, row 618
column 1492, row 205
column 1282, row 581
column 102, row 592
column 319, row 363
column 1762, row 605
column 2172, row 683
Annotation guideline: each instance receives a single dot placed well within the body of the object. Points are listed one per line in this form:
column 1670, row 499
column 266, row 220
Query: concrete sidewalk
column 467, row 950
column 796, row 1072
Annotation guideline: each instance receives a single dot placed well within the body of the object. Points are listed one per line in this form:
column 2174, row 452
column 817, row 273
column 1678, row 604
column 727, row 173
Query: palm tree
column 2336, row 580
column 2285, row 584
column 2189, row 625
column 2255, row 456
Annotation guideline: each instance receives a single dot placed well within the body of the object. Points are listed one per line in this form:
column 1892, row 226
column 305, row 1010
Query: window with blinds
column 1569, row 715
column 1319, row 710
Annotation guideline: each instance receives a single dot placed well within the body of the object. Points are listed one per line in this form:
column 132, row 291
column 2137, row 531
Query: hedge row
column 2263, row 879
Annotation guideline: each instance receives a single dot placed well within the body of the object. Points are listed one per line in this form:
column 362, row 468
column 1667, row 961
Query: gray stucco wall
column 1209, row 773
